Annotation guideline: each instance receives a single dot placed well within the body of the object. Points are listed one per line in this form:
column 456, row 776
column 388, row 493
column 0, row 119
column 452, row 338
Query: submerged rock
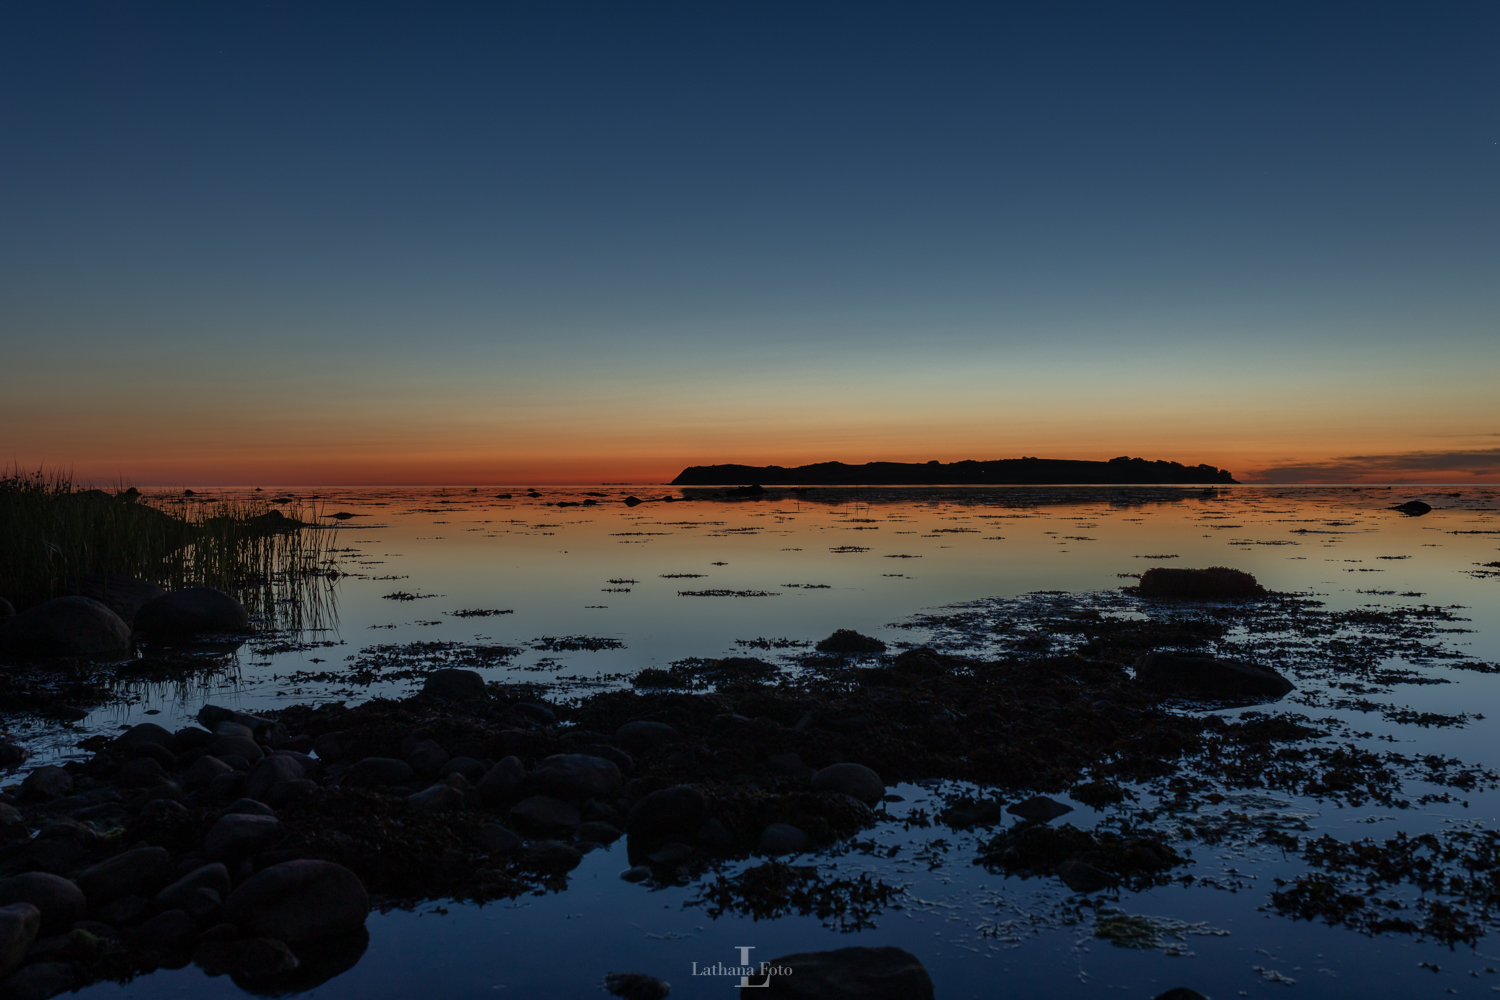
column 192, row 611
column 1413, row 508
column 1080, row 876
column 65, row 626
column 1217, row 583
column 846, row 974
column 454, row 684
column 1040, row 809
column 636, row 986
column 1208, row 676
column 783, row 838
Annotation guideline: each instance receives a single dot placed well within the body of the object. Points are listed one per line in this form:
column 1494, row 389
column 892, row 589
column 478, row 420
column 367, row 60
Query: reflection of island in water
column 1121, row 471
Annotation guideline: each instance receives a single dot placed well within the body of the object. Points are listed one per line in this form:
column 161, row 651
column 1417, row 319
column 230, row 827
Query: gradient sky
column 568, row 242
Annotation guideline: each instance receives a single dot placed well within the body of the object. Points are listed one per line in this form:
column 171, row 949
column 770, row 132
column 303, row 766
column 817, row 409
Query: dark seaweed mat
column 776, row 889
column 408, row 661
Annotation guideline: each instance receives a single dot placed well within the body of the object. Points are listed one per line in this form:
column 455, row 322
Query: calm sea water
column 794, row 567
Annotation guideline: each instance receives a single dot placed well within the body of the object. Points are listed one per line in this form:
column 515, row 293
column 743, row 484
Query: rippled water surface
column 589, row 595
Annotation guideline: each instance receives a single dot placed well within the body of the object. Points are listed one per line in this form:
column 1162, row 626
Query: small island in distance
column 1122, row 471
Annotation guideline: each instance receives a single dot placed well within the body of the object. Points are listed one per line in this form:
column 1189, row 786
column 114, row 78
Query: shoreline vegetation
column 1122, row 471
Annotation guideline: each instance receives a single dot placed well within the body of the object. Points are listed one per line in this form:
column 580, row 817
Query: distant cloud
column 1412, row 466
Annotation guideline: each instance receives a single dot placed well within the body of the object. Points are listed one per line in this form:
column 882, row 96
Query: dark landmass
column 1121, row 471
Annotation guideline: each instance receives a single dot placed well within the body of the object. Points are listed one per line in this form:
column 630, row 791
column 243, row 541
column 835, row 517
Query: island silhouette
column 1122, row 471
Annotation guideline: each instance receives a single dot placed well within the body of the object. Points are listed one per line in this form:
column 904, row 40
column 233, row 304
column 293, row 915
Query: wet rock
column 616, row 756
column 59, row 900
column 142, row 772
column 552, row 856
column 634, row 985
column 269, row 773
column 574, row 777
column 642, row 735
column 1207, row 676
column 146, row 733
column 254, row 959
column 847, row 974
column 1040, row 809
column 852, row 779
column 849, row 641
column 437, row 798
column 12, row 824
column 212, row 876
column 299, row 901
column 498, row 839
column 472, row 770
column 539, row 714
column 203, row 771
column 192, row 738
column 673, row 813
column 250, row 807
column 327, row 747
column 65, row 626
column 226, row 786
column 11, row 754
column 714, row 834
column 168, row 929
column 46, row 783
column 501, row 781
column 636, row 873
column 455, row 685
column 1413, row 508
column 1080, row 876
column 427, row 757
column 783, row 838
column 599, row 833
column 39, row 981
column 237, row 835
column 542, row 812
column 372, row 772
column 139, row 872
column 124, row 595
column 966, row 813
column 236, row 746
column 789, row 764
column 671, row 854
column 19, row 923
column 1217, row 583
column 127, row 911
column 192, row 611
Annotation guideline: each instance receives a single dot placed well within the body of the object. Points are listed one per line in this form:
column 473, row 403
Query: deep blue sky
column 690, row 232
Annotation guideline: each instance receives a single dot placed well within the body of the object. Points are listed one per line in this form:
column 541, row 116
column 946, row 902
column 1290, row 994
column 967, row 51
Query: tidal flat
column 1335, row 841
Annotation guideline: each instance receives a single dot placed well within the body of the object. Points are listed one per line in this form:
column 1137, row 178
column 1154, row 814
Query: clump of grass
column 55, row 531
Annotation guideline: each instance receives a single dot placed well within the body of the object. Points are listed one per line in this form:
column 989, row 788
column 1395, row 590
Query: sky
column 558, row 242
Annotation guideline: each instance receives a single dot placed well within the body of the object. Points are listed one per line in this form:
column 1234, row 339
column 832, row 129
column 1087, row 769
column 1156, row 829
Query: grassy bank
column 51, row 532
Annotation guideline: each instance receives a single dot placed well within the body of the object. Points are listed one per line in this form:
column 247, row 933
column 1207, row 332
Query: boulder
column 427, row 757
column 236, row 746
column 237, row 835
column 168, row 929
column 643, row 734
column 1413, row 508
column 11, row 754
column 1217, row 583
column 473, row 770
column 192, row 611
column 455, row 685
column 854, row 780
column 1180, row 993
column 146, row 733
column 618, row 757
column 59, row 900
column 598, row 832
column 12, row 824
column 124, row 595
column 327, row 747
column 253, row 959
column 65, row 626
column 19, row 923
column 269, row 773
column 46, row 783
column 299, row 901
column 575, row 777
column 846, row 641
column 846, row 974
column 214, row 876
column 39, row 981
column 437, row 798
column 139, row 872
column 674, row 813
column 250, row 807
column 501, row 781
column 204, row 770
column 783, row 838
column 542, row 812
column 1039, row 809
column 498, row 839
column 551, row 856
column 1208, row 676
column 142, row 772
column 372, row 772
